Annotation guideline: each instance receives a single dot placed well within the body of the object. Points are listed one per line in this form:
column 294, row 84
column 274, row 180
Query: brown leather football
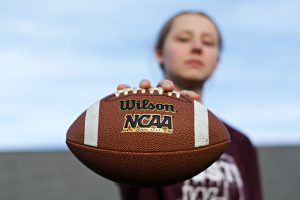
column 147, row 137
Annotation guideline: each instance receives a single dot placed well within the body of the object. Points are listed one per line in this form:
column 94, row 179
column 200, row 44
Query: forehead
column 194, row 23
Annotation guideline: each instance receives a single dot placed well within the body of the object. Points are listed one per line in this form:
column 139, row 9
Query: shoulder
column 237, row 136
column 240, row 144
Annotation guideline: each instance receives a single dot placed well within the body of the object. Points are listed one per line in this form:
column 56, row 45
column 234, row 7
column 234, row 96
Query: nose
column 196, row 47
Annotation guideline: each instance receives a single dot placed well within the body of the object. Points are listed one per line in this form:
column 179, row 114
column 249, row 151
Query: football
column 147, row 137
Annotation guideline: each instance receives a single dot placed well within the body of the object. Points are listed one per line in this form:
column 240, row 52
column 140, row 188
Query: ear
column 159, row 56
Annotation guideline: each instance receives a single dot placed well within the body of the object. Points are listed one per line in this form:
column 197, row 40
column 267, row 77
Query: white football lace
column 134, row 90
column 151, row 90
column 160, row 90
column 177, row 94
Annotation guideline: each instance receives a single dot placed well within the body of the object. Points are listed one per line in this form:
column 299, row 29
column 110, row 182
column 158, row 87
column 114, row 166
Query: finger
column 166, row 85
column 122, row 86
column 191, row 94
column 145, row 84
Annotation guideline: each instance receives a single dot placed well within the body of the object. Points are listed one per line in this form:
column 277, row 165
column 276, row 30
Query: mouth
column 194, row 63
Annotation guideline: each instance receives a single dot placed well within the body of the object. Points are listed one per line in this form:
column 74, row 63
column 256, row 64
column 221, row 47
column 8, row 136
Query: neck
column 194, row 86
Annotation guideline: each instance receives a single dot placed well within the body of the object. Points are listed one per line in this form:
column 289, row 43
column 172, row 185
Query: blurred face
column 190, row 51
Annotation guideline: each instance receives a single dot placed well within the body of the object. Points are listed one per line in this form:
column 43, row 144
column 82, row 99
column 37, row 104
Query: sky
column 58, row 57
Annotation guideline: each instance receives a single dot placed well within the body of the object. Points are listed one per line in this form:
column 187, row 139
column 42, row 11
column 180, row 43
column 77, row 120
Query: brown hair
column 167, row 27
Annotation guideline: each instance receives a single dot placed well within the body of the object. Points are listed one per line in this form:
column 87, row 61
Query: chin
column 195, row 77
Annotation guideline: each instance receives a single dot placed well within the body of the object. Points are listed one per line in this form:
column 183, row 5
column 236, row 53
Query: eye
column 208, row 42
column 182, row 39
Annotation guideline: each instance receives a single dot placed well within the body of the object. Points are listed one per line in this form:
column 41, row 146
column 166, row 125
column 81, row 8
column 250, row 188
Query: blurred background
column 59, row 57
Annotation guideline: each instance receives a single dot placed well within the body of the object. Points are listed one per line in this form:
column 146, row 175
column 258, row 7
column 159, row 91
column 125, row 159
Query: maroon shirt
column 235, row 175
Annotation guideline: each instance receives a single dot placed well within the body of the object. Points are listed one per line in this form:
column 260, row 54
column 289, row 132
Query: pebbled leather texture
column 147, row 158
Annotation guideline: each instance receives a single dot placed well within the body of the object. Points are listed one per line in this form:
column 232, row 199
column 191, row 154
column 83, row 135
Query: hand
column 166, row 85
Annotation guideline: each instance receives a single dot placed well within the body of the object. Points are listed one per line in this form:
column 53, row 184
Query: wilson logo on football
column 145, row 104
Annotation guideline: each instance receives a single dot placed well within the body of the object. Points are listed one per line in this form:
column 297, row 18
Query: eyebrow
column 191, row 33
column 185, row 31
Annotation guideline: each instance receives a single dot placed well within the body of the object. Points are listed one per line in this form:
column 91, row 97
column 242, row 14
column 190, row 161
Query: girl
column 188, row 50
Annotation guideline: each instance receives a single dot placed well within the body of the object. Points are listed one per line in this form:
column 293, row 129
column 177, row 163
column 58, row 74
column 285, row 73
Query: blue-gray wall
column 58, row 175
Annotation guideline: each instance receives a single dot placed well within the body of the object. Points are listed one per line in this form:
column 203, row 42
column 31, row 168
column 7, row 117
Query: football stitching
column 182, row 98
column 151, row 90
